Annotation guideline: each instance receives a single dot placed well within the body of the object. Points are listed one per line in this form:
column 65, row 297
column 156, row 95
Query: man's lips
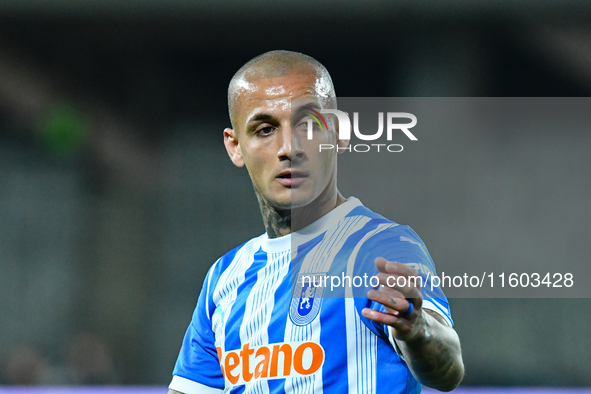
column 291, row 178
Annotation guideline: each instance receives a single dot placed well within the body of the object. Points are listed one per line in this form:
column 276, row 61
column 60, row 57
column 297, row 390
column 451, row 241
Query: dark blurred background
column 116, row 194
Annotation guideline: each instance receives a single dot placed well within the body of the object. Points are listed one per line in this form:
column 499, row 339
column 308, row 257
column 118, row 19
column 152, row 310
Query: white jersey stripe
column 208, row 287
column 363, row 338
column 226, row 290
column 260, row 303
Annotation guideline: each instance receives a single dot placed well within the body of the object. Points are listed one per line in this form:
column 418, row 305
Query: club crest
column 306, row 298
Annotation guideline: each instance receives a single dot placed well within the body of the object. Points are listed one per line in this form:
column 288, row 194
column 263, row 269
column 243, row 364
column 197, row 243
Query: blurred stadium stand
column 116, row 193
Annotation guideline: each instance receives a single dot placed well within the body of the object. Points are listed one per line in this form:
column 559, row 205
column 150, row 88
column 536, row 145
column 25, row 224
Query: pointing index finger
column 392, row 267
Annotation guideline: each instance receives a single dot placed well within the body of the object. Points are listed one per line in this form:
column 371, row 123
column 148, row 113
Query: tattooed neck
column 277, row 222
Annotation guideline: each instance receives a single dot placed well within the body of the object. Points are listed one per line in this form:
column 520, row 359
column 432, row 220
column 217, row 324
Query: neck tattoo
column 277, row 222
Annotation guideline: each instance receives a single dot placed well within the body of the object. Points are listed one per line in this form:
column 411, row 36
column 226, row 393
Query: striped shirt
column 270, row 319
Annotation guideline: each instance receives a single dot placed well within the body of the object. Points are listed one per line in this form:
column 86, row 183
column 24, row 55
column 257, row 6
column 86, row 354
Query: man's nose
column 289, row 146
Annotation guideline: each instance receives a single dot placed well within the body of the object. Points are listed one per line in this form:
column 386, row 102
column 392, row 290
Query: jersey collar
column 284, row 243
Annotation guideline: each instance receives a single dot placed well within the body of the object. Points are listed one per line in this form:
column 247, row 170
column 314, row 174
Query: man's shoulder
column 247, row 248
column 382, row 232
column 378, row 223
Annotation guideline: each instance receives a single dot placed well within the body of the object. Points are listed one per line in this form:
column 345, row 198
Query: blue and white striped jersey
column 260, row 327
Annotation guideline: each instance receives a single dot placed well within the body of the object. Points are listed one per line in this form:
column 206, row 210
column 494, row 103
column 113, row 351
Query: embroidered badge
column 306, row 298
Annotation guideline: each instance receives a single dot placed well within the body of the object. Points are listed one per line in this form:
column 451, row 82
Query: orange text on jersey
column 271, row 361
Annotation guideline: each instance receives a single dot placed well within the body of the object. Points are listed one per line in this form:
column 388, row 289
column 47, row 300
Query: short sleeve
column 197, row 368
column 401, row 244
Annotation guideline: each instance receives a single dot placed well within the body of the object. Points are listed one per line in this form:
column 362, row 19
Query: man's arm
column 435, row 356
column 430, row 347
column 197, row 369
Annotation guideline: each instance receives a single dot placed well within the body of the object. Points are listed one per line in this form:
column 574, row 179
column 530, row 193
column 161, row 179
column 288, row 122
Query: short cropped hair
column 275, row 64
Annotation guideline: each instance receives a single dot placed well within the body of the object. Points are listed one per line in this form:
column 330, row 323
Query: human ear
column 233, row 147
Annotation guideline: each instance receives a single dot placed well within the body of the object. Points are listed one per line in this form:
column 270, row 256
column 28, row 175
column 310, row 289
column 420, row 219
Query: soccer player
column 265, row 320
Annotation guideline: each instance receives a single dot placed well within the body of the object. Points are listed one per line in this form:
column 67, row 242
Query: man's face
column 286, row 168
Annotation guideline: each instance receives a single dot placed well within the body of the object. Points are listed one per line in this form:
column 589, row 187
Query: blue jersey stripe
column 237, row 313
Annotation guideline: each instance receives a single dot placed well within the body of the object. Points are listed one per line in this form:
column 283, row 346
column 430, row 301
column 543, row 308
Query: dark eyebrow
column 306, row 108
column 260, row 118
